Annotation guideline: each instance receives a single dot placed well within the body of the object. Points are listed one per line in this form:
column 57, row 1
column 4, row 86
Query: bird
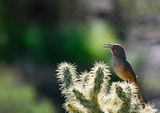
column 123, row 69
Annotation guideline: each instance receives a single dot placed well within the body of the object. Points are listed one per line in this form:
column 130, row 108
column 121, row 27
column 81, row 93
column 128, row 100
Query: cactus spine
column 94, row 92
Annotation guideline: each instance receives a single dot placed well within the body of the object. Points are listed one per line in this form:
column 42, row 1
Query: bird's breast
column 119, row 68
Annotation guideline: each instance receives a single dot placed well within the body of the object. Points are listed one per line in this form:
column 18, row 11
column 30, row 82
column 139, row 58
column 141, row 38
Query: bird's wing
column 129, row 70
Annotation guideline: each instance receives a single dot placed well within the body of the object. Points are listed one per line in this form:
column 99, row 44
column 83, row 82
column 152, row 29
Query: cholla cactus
column 93, row 92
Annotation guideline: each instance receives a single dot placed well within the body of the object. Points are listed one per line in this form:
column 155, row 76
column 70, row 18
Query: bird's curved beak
column 108, row 45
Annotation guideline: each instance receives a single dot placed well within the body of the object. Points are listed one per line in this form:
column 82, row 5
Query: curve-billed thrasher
column 123, row 69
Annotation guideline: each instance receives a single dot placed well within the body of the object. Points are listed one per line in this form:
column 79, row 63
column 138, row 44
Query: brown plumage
column 123, row 69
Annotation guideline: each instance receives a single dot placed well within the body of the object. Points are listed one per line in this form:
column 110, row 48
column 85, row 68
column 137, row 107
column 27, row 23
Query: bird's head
column 117, row 50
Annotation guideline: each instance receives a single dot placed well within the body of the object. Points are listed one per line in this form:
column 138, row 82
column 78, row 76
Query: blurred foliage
column 30, row 29
column 68, row 42
column 20, row 98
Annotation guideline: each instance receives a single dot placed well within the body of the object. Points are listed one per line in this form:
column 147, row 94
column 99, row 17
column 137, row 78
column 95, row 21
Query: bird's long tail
column 139, row 95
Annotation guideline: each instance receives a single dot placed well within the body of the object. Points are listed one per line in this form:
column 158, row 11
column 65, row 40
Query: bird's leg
column 128, row 81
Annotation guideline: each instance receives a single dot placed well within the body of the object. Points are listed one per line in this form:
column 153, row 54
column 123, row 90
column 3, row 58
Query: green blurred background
column 36, row 35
